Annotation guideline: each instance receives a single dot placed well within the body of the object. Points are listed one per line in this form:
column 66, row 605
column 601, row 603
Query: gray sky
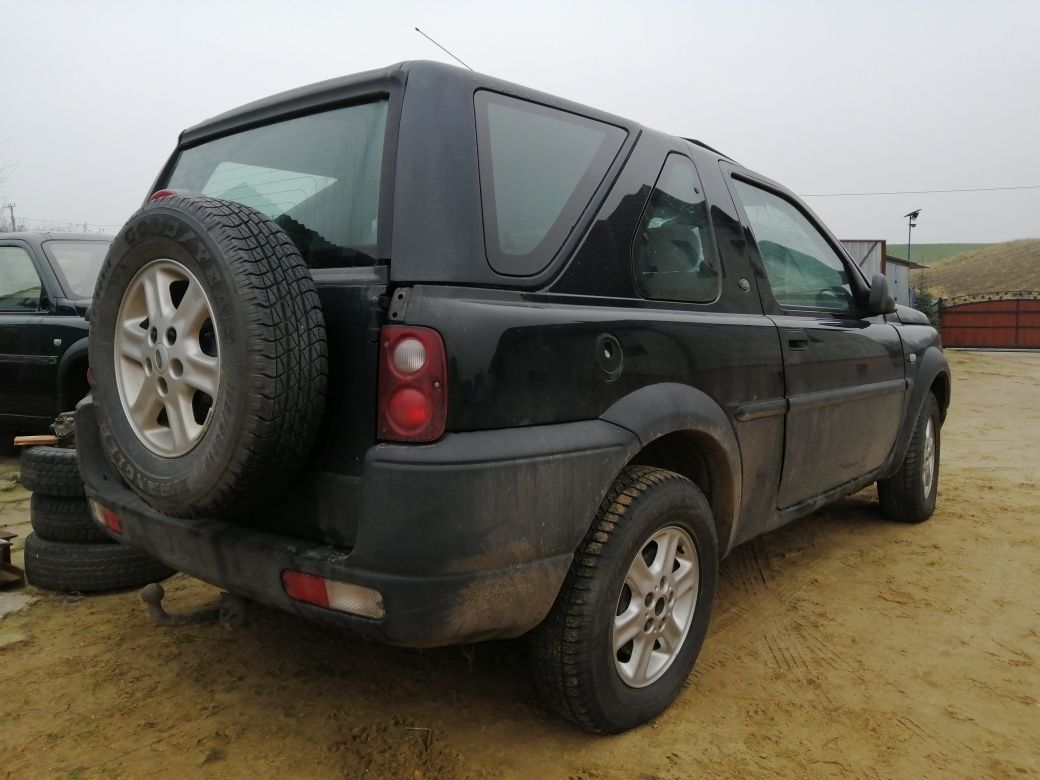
column 823, row 96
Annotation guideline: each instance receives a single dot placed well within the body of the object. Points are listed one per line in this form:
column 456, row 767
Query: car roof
column 358, row 86
column 35, row 236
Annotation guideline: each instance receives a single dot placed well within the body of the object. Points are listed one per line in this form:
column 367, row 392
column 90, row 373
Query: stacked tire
column 67, row 551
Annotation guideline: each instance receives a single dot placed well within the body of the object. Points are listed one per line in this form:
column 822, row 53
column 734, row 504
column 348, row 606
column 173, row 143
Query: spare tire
column 207, row 343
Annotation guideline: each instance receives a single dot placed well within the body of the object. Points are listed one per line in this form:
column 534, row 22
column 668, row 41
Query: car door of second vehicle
column 844, row 372
column 27, row 368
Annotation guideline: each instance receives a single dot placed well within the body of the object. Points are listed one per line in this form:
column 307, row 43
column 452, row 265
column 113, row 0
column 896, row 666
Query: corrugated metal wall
column 1007, row 324
column 867, row 255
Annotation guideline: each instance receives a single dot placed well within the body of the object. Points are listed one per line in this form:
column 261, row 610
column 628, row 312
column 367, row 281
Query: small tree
column 925, row 302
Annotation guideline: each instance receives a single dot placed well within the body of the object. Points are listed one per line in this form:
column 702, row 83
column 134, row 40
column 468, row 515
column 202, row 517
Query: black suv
column 438, row 359
column 46, row 282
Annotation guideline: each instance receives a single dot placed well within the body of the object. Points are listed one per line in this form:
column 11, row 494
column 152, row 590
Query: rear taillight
column 332, row 594
column 159, row 194
column 413, row 392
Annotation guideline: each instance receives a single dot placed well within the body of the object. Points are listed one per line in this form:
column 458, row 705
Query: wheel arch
column 682, row 429
column 72, row 376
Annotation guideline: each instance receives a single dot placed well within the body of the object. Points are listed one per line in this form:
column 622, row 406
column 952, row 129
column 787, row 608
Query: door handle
column 796, row 339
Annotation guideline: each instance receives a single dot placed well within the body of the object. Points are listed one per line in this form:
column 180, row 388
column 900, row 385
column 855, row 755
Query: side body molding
column 658, row 410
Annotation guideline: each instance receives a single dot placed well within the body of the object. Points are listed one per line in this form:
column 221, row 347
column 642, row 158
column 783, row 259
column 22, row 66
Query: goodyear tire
column 51, row 471
column 64, row 520
column 88, row 568
column 207, row 343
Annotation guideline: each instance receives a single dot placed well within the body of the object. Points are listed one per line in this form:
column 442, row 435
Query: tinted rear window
column 538, row 169
column 316, row 176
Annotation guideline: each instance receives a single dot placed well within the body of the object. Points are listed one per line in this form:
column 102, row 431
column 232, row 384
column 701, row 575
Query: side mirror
column 880, row 300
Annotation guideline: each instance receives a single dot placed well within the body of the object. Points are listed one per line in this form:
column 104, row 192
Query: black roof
column 359, row 86
column 36, row 235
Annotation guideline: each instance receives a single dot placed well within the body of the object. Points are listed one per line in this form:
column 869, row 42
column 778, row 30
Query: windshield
column 77, row 264
column 316, row 176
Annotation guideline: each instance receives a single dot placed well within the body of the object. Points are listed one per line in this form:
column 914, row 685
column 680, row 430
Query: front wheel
column 630, row 619
column 909, row 495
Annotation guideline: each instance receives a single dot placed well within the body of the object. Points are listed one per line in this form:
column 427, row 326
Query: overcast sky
column 827, row 96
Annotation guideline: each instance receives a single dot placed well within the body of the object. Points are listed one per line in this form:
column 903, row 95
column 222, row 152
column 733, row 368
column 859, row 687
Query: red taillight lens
column 165, row 194
column 413, row 393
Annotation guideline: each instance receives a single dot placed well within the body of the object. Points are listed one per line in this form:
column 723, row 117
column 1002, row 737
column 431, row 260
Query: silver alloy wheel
column 166, row 358
column 655, row 607
column 928, row 464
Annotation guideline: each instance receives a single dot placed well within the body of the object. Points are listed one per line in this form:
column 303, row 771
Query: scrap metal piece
column 10, row 574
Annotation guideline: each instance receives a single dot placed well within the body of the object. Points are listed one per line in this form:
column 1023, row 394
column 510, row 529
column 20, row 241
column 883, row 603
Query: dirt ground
column 841, row 645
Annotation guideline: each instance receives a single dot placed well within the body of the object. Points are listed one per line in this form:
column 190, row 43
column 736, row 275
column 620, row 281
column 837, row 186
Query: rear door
column 844, row 372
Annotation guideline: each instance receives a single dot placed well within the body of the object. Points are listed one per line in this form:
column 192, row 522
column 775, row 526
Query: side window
column 20, row 286
column 804, row 270
column 539, row 167
column 673, row 253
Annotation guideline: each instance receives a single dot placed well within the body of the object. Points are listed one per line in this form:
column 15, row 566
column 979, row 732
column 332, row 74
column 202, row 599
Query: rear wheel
column 630, row 619
column 909, row 495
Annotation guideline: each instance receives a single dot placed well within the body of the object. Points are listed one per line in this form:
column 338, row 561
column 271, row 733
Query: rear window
column 538, row 169
column 316, row 176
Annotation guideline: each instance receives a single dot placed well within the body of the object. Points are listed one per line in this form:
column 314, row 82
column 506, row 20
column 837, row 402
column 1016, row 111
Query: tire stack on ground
column 67, row 551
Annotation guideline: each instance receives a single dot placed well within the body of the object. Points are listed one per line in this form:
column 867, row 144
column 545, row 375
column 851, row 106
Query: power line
column 922, row 192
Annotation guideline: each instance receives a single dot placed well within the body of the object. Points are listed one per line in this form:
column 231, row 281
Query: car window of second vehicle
column 78, row 264
column 673, row 252
column 20, row 287
column 803, row 269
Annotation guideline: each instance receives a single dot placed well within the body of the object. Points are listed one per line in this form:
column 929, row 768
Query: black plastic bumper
column 466, row 539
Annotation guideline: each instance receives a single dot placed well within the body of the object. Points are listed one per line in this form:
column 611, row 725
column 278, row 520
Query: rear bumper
column 466, row 539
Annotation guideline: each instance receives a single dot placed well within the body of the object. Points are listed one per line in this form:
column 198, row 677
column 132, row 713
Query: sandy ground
column 842, row 645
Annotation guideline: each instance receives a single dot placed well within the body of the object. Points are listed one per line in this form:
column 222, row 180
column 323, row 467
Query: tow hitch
column 231, row 612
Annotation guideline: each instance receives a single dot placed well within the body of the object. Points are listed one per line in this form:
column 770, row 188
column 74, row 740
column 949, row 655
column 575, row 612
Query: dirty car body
column 575, row 346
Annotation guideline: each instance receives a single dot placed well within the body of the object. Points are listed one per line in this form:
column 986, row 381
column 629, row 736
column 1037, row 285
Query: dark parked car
column 438, row 359
column 46, row 283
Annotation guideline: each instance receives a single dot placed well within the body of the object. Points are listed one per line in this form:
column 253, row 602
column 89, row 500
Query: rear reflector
column 333, row 594
column 106, row 517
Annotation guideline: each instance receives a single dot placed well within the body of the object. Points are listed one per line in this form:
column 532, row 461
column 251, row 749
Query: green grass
column 1014, row 265
column 930, row 254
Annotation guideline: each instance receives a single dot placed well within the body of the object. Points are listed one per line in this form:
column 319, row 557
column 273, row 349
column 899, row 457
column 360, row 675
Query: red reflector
column 305, row 587
column 115, row 525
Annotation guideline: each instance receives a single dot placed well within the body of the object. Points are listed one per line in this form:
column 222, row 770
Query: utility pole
column 911, row 223
column 10, row 207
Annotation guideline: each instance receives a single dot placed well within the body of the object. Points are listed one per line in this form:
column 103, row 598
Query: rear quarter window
column 317, row 176
column 539, row 167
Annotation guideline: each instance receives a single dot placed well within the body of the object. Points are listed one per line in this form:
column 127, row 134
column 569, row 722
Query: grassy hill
column 1014, row 265
column 930, row 254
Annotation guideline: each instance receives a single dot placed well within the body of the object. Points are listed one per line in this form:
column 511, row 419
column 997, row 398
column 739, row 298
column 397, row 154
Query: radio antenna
column 431, row 40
